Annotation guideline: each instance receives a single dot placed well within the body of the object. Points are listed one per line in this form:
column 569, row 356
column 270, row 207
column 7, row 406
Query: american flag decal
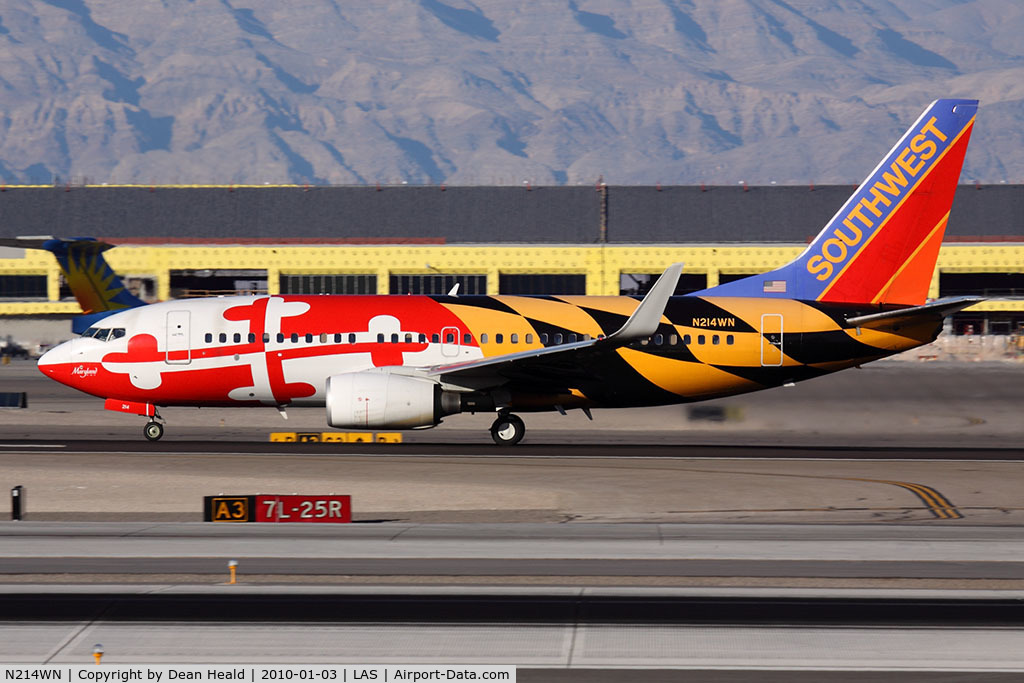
column 774, row 287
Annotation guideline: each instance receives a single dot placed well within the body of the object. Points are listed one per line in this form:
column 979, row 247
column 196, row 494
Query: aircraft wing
column 940, row 308
column 565, row 362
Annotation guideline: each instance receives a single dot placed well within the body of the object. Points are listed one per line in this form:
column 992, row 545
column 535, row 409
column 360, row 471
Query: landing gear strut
column 153, row 430
column 508, row 429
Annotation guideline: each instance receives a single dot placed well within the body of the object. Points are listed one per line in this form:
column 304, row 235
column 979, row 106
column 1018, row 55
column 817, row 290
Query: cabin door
column 772, row 338
column 179, row 348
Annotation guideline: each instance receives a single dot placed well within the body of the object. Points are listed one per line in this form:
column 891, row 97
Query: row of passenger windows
column 450, row 338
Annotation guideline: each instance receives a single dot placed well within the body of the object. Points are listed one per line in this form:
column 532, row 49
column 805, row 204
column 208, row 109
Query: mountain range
column 485, row 92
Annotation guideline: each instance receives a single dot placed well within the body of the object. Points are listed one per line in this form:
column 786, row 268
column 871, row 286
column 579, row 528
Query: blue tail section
column 94, row 283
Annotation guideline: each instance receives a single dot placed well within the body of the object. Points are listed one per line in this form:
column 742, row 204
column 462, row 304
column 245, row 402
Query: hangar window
column 437, row 285
column 328, row 284
column 542, row 283
column 212, row 282
column 638, row 284
column 23, row 287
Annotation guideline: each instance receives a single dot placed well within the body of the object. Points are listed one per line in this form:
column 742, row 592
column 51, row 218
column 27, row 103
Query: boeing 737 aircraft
column 856, row 294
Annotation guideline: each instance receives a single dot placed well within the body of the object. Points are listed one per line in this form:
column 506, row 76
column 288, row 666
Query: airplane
column 857, row 293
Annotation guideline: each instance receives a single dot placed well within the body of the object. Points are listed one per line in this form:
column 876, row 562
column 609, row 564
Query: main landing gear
column 508, row 429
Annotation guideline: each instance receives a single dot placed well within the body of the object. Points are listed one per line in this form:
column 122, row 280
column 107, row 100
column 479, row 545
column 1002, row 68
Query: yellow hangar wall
column 602, row 264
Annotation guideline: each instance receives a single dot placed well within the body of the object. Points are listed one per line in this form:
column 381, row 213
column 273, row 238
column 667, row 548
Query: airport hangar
column 179, row 241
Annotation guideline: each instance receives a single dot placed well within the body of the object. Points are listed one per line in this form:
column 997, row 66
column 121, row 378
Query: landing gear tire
column 508, row 430
column 153, row 431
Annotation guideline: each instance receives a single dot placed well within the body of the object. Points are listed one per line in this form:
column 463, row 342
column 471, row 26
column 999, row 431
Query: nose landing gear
column 153, row 430
column 508, row 429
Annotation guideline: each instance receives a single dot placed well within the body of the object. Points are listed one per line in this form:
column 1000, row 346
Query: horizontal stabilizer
column 939, row 307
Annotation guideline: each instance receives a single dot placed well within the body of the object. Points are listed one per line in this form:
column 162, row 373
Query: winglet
column 647, row 316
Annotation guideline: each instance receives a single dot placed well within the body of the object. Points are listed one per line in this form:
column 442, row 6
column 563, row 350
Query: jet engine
column 383, row 399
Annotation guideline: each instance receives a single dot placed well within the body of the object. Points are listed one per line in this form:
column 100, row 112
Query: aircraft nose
column 55, row 357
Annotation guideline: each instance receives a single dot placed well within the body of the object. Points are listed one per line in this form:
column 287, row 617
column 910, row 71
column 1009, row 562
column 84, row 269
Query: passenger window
column 544, row 338
column 714, row 339
column 408, row 338
column 572, row 338
column 687, row 339
column 700, row 338
column 295, row 337
column 558, row 338
column 645, row 342
column 514, row 338
column 659, row 340
column 423, row 338
column 435, row 338
column 499, row 338
column 238, row 337
column 280, row 337
column 729, row 339
column 208, row 338
column 309, row 338
column 467, row 338
column 351, row 337
column 673, row 339
column 380, row 338
column 394, row 337
column 483, row 338
column 529, row 337
column 586, row 337
column 449, row 338
column 222, row 338
column 252, row 337
column 266, row 337
column 337, row 337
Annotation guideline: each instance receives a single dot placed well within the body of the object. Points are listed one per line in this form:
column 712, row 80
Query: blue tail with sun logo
column 94, row 283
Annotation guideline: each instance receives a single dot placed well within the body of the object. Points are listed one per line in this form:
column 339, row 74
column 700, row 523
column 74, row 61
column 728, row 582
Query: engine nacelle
column 382, row 399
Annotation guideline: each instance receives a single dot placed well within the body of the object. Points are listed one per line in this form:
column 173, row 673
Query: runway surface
column 578, row 635
column 883, row 482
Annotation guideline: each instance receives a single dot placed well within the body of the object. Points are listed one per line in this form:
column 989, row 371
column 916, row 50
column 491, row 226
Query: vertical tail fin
column 882, row 245
column 93, row 282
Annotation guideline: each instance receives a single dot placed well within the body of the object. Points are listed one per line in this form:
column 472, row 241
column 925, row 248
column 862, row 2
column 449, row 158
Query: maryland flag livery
column 856, row 294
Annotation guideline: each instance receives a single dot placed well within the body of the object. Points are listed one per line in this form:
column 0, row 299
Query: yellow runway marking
column 940, row 506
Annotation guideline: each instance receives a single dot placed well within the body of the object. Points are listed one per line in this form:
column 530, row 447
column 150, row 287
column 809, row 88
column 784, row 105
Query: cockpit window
column 104, row 333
